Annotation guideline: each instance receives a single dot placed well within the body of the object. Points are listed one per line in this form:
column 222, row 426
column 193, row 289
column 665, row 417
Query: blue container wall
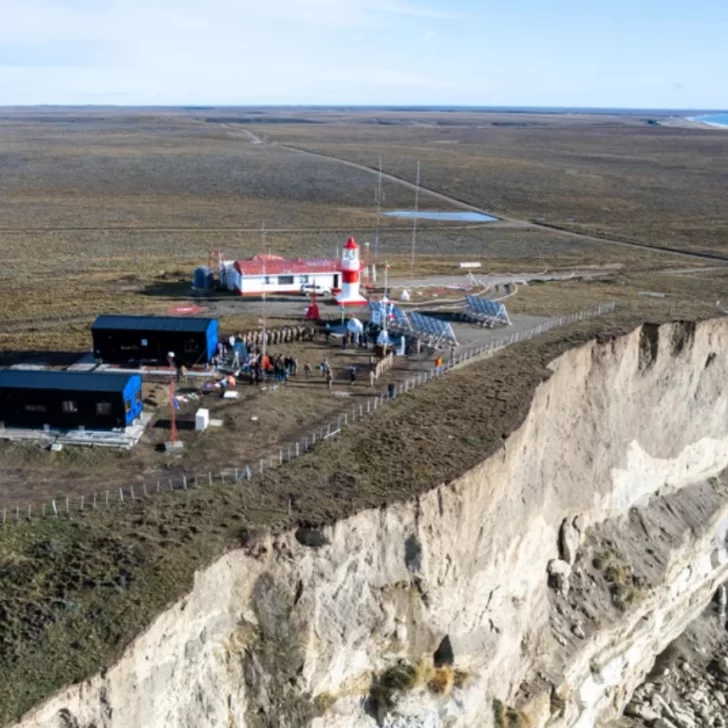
column 202, row 278
column 133, row 394
column 213, row 337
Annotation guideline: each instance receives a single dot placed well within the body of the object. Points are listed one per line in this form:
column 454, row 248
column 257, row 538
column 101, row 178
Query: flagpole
column 173, row 414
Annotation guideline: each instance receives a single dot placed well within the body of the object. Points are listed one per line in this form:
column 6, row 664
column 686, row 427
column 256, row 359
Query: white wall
column 252, row 284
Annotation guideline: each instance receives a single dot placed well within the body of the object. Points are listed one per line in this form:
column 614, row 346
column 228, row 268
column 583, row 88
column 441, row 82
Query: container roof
column 152, row 323
column 282, row 266
column 70, row 381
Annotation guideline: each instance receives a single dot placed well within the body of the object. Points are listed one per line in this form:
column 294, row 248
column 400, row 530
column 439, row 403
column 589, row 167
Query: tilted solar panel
column 486, row 307
column 431, row 326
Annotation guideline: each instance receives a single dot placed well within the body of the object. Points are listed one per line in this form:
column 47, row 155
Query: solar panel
column 485, row 309
column 432, row 328
column 399, row 318
column 375, row 312
column 378, row 310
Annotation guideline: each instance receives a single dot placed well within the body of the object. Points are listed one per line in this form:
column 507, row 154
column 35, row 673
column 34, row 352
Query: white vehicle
column 320, row 290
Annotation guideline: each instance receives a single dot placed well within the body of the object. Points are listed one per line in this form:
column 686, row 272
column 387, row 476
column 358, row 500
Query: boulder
column 569, row 541
column 559, row 572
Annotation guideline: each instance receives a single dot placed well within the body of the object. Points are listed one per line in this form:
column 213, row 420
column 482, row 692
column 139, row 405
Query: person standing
column 307, row 370
column 352, row 375
column 438, row 364
column 329, row 378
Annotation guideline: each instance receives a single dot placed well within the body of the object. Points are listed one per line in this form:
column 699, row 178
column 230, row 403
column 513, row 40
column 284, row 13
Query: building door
column 336, row 280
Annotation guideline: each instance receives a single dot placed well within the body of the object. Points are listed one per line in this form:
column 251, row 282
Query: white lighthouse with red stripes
column 350, row 276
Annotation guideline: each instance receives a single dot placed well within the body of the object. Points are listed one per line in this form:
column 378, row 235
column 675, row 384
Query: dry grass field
column 100, row 210
column 599, row 175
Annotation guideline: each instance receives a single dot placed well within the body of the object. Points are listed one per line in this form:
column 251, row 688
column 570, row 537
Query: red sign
column 187, row 309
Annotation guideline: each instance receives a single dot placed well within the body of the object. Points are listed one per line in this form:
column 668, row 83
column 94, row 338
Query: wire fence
column 66, row 507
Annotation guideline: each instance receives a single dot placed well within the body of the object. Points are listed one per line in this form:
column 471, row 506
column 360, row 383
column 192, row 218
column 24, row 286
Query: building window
column 35, row 408
column 145, row 342
column 127, row 406
column 103, row 408
column 304, row 279
column 285, row 280
column 69, row 407
column 267, row 280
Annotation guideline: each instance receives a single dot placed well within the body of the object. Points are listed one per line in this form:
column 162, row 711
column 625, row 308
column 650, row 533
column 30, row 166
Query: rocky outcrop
column 346, row 632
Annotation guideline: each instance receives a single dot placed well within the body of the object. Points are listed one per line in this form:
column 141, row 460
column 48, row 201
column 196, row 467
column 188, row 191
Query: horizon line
column 386, row 107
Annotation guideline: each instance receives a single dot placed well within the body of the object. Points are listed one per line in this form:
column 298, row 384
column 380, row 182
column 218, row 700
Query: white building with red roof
column 273, row 274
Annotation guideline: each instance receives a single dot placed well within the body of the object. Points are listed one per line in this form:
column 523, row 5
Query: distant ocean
column 716, row 119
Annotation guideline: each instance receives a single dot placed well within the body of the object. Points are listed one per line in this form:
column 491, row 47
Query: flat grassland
column 602, row 176
column 100, row 210
column 110, row 211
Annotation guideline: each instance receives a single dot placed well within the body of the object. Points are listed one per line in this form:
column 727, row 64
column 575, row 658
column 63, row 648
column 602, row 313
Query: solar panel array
column 485, row 309
column 486, row 306
column 415, row 324
column 433, row 328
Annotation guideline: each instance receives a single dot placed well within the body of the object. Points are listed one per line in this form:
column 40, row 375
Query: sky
column 586, row 53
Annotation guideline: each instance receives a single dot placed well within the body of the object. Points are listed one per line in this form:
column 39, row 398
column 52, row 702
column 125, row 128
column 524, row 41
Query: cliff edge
column 535, row 589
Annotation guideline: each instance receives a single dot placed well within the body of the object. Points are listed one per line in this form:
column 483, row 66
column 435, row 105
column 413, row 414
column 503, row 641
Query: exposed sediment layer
column 284, row 634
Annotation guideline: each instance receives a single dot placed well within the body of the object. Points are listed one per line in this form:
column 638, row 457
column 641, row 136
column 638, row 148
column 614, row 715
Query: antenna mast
column 172, row 400
column 414, row 223
column 262, row 233
column 378, row 198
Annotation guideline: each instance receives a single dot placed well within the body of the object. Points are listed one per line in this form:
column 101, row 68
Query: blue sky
column 601, row 53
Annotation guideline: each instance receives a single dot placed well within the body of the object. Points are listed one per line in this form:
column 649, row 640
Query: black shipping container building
column 136, row 340
column 69, row 400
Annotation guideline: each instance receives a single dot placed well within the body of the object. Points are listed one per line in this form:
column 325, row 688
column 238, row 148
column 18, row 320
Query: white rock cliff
column 615, row 424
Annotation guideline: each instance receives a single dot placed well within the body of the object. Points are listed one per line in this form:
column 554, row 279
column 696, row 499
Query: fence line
column 105, row 499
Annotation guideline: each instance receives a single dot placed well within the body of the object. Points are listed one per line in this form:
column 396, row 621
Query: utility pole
column 262, row 233
column 172, row 407
column 414, row 224
column 378, row 198
column 386, row 298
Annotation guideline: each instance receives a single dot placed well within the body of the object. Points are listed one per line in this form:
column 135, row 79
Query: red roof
column 281, row 266
column 267, row 256
column 351, row 244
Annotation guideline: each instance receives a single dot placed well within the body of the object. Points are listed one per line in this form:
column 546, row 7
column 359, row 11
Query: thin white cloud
column 415, row 10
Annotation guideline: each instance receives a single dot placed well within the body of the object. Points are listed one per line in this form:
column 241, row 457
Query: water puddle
column 454, row 216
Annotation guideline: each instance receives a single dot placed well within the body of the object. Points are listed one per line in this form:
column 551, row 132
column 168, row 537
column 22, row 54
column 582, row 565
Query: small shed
column 69, row 400
column 140, row 340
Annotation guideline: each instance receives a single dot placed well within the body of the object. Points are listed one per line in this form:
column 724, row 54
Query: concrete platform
column 87, row 363
column 121, row 439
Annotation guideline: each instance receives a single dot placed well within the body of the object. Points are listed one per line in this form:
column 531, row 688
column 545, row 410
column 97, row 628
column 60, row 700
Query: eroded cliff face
column 282, row 634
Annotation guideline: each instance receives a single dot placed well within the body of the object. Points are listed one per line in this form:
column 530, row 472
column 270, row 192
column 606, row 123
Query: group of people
column 279, row 367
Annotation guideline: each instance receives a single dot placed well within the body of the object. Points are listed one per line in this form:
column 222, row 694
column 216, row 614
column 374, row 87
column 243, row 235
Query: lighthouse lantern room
column 350, row 276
